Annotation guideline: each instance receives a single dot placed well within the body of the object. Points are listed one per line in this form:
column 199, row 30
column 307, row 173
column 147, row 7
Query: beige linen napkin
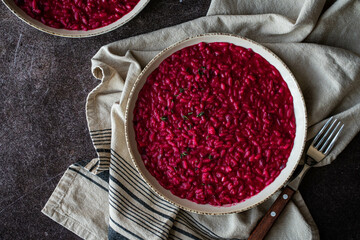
column 328, row 76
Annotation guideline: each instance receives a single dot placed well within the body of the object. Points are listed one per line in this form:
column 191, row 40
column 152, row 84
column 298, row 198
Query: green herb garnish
column 196, row 169
column 164, row 118
column 188, row 149
column 200, row 72
column 203, row 67
column 185, row 117
column 172, row 111
column 175, row 168
column 200, row 114
column 183, row 154
column 190, row 113
column 181, row 90
column 210, row 157
column 189, row 126
column 207, row 137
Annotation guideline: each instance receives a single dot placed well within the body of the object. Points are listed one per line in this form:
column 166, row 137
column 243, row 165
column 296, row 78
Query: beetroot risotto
column 215, row 123
column 77, row 14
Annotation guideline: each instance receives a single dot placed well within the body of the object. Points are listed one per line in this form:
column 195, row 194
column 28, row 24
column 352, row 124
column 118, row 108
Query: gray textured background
column 44, row 83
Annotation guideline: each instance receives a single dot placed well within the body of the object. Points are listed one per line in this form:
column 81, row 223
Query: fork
column 320, row 147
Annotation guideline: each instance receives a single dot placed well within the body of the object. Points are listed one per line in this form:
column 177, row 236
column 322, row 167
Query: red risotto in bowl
column 215, row 123
column 77, row 14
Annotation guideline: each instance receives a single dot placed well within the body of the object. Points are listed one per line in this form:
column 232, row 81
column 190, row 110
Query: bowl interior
column 300, row 118
column 73, row 33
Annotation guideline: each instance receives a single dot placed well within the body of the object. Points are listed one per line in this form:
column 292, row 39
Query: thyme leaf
column 200, row 114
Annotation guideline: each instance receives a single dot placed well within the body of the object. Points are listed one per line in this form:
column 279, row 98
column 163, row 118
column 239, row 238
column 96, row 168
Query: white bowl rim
column 74, row 33
column 203, row 37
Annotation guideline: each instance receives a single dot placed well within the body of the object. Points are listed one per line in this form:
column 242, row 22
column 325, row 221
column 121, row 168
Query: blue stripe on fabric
column 99, row 134
column 143, row 192
column 91, row 180
column 140, row 180
column 95, row 165
column 101, row 140
column 82, row 163
column 102, row 130
column 102, row 150
column 189, row 226
column 129, row 204
column 192, row 221
column 102, row 144
column 113, row 235
column 139, row 200
column 185, row 233
column 193, row 226
column 200, row 228
column 127, row 217
column 148, row 224
column 131, row 233
column 197, row 224
column 174, row 236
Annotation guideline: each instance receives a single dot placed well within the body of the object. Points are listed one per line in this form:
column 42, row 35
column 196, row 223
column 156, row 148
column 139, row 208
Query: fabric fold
column 338, row 26
column 79, row 203
column 328, row 76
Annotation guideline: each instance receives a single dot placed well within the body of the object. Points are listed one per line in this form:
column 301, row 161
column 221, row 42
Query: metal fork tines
column 325, row 139
column 321, row 146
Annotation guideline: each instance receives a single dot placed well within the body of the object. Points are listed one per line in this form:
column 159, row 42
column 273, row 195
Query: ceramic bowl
column 300, row 118
column 73, row 33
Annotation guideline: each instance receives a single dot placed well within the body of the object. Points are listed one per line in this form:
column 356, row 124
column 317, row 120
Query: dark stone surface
column 44, row 83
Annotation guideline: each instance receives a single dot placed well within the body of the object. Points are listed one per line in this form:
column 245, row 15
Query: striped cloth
column 82, row 200
column 107, row 199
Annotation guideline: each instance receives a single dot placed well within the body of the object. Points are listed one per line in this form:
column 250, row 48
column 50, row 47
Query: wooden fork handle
column 270, row 217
